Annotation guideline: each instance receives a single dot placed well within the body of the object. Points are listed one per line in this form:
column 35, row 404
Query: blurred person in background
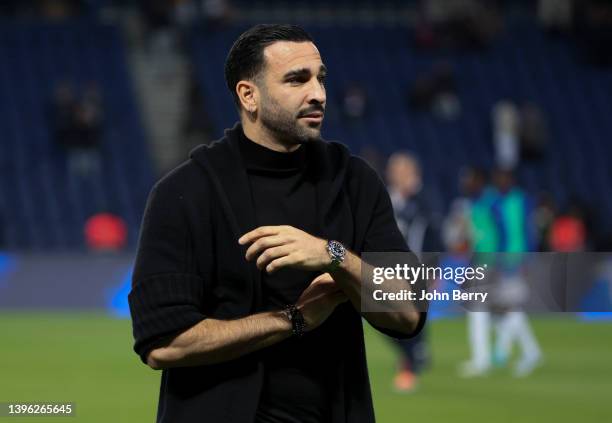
column 85, row 159
column 416, row 220
column 157, row 16
column 477, row 209
column 63, row 106
column 105, row 232
column 436, row 92
column 463, row 24
column 217, row 13
column 420, row 227
column 77, row 127
column 543, row 218
column 506, row 126
column 455, row 235
column 568, row 231
column 533, row 133
column 515, row 225
column 165, row 22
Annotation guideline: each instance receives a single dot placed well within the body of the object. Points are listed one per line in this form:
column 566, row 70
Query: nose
column 316, row 93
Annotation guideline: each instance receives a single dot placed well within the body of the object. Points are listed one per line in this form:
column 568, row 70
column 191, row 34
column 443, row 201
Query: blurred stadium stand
column 45, row 208
column 42, row 207
column 522, row 65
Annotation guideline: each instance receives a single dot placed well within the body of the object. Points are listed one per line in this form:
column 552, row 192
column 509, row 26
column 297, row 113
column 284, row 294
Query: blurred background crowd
column 101, row 97
column 467, row 109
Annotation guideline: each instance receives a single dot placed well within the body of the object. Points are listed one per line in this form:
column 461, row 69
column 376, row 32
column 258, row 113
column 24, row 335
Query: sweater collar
column 224, row 162
column 260, row 158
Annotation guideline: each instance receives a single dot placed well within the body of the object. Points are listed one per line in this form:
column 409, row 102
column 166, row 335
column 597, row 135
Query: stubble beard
column 286, row 126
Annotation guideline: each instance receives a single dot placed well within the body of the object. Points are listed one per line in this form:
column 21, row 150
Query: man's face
column 292, row 91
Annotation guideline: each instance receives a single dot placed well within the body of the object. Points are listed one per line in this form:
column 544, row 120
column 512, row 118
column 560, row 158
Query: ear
column 248, row 95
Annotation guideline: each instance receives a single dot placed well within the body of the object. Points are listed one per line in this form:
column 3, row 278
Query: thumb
column 323, row 278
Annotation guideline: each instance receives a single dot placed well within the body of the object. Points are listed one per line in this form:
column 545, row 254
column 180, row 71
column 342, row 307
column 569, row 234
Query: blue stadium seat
column 46, row 207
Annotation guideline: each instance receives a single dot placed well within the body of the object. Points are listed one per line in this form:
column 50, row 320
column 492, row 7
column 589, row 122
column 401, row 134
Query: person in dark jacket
column 247, row 284
column 419, row 225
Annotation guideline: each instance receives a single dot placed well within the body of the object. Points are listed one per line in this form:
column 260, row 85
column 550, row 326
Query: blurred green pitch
column 86, row 358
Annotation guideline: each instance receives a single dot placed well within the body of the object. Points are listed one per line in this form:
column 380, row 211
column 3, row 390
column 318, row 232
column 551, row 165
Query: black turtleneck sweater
column 283, row 193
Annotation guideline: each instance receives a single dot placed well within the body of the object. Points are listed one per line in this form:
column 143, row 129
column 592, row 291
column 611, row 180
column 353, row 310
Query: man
column 415, row 219
column 246, row 288
column 514, row 218
column 420, row 228
column 484, row 240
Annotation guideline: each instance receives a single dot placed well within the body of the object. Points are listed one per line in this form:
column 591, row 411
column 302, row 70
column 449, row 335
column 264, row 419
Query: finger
column 264, row 243
column 258, row 233
column 323, row 277
column 279, row 263
column 324, row 283
column 270, row 255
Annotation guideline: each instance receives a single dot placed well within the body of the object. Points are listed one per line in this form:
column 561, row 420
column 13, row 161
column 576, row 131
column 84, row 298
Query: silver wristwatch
column 337, row 253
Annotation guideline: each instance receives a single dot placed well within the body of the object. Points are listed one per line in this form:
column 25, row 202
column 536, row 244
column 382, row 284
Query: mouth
column 313, row 117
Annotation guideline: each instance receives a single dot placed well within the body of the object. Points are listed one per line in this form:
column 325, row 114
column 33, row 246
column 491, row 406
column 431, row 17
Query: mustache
column 312, row 109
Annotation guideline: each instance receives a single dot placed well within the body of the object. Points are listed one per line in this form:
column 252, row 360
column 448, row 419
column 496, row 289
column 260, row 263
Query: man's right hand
column 319, row 300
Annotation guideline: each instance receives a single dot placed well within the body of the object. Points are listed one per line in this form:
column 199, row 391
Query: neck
column 262, row 136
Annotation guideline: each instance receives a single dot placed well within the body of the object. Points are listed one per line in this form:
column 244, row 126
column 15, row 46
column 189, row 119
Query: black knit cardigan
column 190, row 266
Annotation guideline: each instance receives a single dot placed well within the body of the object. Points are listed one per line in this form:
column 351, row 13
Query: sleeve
column 383, row 235
column 167, row 294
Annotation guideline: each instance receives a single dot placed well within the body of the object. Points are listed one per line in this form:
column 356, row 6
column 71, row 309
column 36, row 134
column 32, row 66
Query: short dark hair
column 246, row 59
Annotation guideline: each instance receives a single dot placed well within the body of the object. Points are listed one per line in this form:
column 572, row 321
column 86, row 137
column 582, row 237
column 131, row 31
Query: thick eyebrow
column 303, row 72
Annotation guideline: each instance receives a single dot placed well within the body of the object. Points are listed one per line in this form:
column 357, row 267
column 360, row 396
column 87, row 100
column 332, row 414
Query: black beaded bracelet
column 298, row 324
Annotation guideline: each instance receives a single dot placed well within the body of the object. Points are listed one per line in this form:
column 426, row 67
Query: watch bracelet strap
column 335, row 263
column 298, row 324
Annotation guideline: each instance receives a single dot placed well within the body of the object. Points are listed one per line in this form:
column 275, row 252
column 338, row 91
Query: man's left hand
column 285, row 246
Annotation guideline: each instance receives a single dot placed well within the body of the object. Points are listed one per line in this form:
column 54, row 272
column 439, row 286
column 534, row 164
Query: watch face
column 336, row 249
